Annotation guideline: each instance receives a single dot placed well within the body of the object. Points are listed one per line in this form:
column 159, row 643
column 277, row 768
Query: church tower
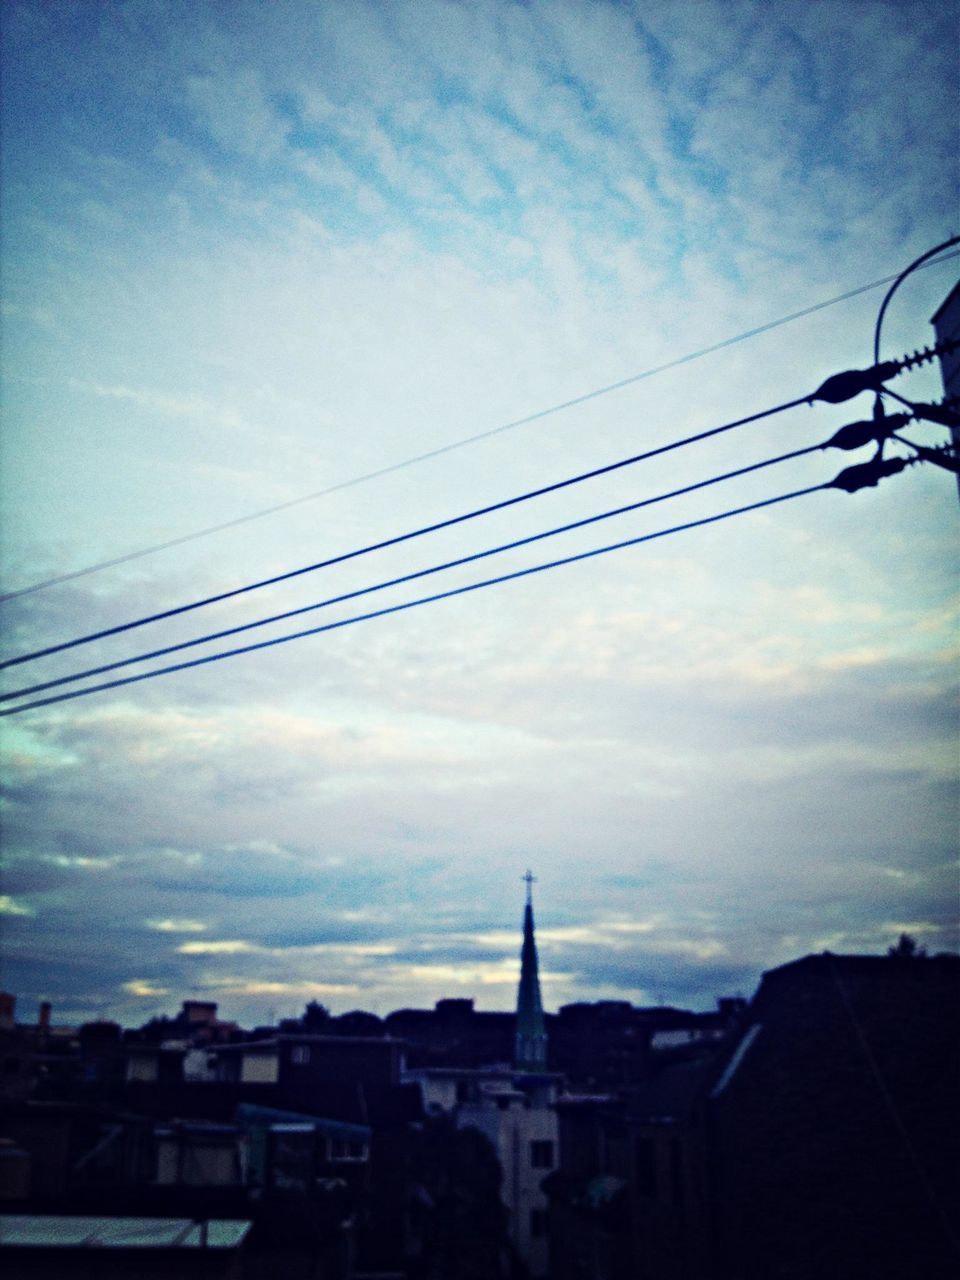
column 531, row 1051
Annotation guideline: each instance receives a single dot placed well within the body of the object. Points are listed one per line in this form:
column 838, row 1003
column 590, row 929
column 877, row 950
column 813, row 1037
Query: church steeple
column 531, row 1053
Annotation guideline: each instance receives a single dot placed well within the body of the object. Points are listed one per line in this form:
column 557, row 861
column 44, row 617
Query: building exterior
column 521, row 1125
column 946, row 324
column 818, row 1138
column 299, row 1063
column 834, row 1126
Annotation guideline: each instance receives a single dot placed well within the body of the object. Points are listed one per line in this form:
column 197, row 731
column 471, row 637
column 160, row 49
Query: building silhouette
column 946, row 324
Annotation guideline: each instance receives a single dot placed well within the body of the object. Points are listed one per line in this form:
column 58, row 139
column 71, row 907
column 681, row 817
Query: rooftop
column 56, row 1232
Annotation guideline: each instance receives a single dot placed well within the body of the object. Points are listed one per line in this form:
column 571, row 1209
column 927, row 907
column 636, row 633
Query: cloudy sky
column 256, row 251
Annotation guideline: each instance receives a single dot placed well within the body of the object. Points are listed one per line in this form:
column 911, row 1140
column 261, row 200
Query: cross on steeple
column 530, row 878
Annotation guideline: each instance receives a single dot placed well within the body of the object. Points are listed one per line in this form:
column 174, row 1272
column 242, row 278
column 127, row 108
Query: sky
column 254, row 252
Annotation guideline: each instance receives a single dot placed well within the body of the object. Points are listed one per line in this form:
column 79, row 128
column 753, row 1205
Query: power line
column 914, row 266
column 403, row 537
column 412, row 604
column 463, row 443
column 407, row 577
column 836, row 389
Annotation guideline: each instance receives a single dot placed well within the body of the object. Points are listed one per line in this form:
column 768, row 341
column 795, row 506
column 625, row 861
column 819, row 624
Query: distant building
column 199, row 1012
column 37, row 1058
column 8, row 1009
column 454, row 1034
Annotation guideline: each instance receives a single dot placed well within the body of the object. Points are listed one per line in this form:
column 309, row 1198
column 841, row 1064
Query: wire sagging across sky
column 413, row 604
column 836, row 389
column 474, row 514
column 407, row 577
column 462, row 443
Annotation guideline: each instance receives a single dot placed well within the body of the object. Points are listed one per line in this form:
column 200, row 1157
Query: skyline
column 246, row 259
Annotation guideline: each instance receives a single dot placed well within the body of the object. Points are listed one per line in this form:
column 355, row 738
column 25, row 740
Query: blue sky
column 254, row 251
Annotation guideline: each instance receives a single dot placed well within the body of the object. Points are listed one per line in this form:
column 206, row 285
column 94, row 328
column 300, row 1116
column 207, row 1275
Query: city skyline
column 251, row 258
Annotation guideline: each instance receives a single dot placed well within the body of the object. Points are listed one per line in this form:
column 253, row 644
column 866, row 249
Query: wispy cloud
column 10, row 907
column 169, row 404
column 144, row 989
column 225, row 947
column 254, row 987
column 290, row 249
column 177, row 926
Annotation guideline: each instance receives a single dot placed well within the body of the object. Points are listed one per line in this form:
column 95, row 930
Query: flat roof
column 497, row 1071
column 54, row 1231
column 252, row 1112
column 302, row 1038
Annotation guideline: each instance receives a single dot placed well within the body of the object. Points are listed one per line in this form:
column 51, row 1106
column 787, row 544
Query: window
column 300, row 1055
column 538, row 1221
column 292, row 1162
column 541, row 1154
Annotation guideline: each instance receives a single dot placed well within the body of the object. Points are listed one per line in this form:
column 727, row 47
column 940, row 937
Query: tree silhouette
column 906, row 949
column 315, row 1017
column 454, row 1180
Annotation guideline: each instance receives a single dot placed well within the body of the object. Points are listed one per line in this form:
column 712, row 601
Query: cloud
column 194, row 408
column 226, row 947
column 235, row 110
column 10, row 907
column 176, row 926
column 244, row 987
column 288, row 252
column 144, row 989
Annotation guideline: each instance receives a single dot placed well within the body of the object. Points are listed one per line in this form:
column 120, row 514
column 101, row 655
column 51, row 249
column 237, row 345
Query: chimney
column 43, row 1022
column 8, row 1009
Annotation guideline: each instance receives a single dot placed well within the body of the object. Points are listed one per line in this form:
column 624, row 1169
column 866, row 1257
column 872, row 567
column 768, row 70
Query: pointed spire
column 531, row 1053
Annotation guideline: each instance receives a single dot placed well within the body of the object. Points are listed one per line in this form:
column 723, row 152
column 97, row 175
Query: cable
column 453, row 445
column 403, row 537
column 917, row 262
column 902, row 399
column 943, row 456
column 407, row 577
column 411, row 604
